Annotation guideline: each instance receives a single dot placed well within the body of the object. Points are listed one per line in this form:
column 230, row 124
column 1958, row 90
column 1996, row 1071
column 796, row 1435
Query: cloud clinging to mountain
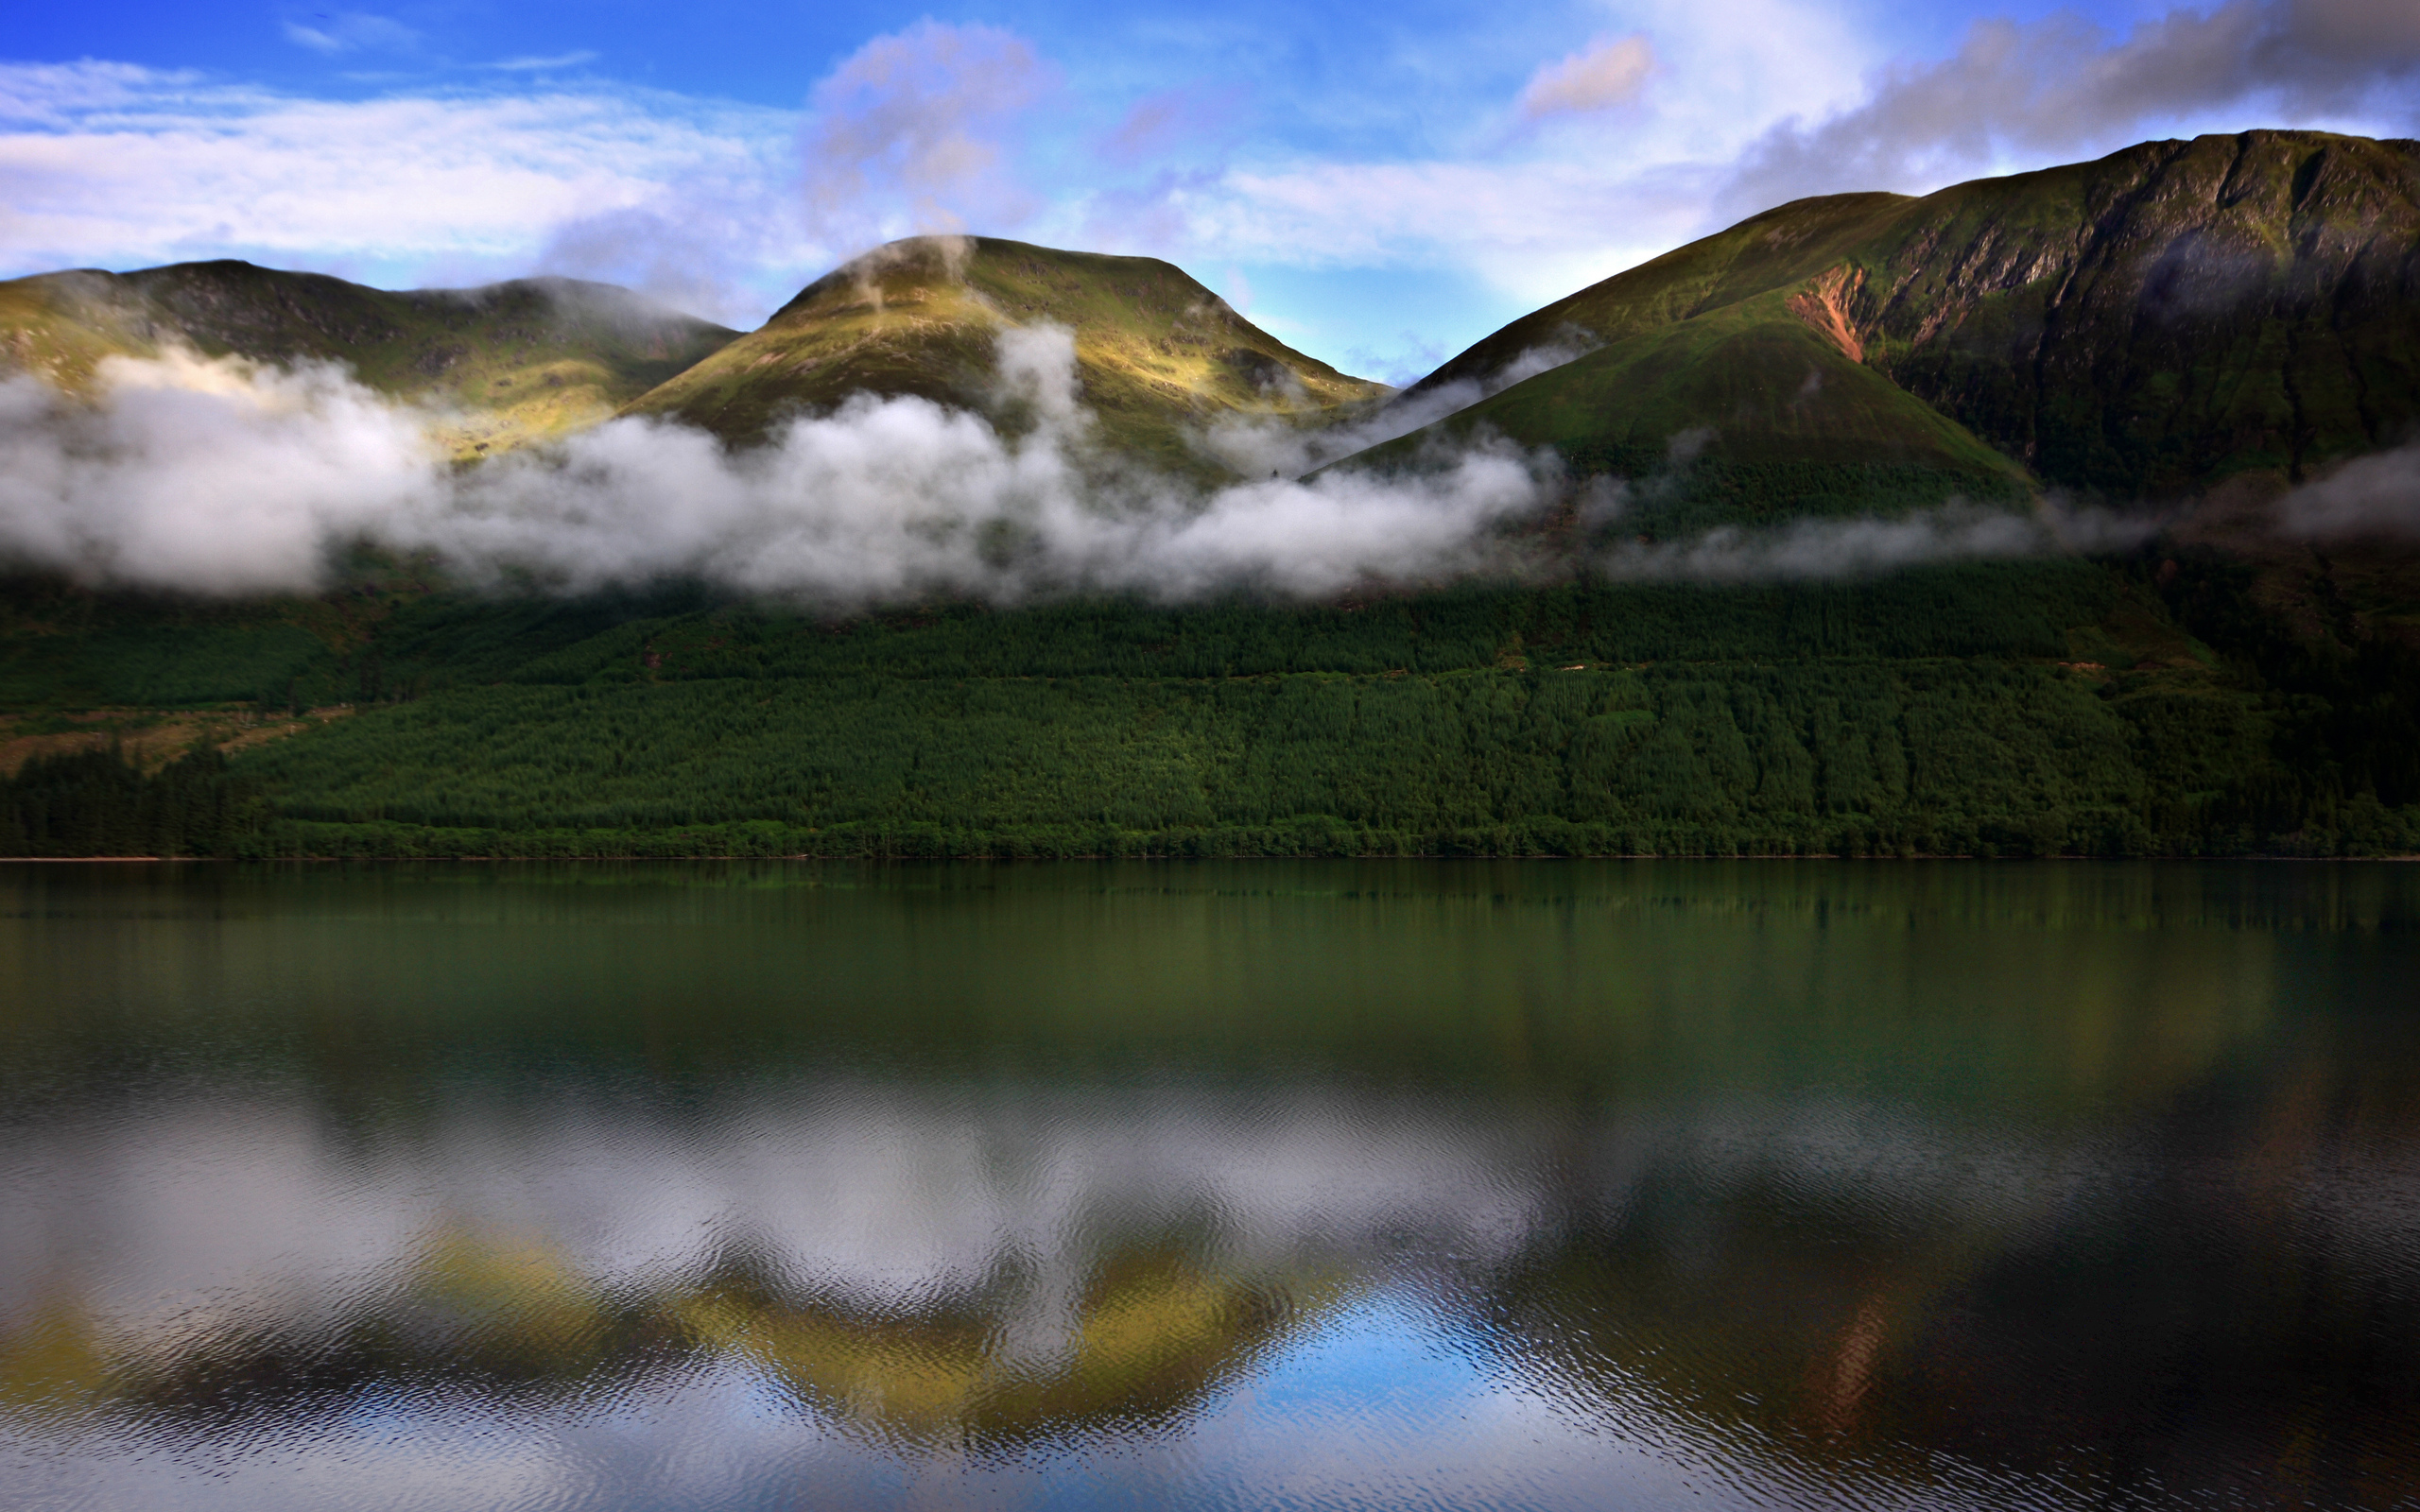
column 226, row 477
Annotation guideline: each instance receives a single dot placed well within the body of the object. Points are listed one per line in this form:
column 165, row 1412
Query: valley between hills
column 2180, row 386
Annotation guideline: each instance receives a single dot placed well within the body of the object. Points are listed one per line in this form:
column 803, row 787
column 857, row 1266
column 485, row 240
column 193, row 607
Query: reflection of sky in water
column 1855, row 1213
column 1375, row 1408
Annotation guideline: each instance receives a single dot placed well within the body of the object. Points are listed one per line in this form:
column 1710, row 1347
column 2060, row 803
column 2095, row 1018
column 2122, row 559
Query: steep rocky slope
column 2141, row 326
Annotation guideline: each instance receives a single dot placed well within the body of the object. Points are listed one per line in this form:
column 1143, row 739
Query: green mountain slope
column 2221, row 689
column 2142, row 326
column 1157, row 355
column 518, row 361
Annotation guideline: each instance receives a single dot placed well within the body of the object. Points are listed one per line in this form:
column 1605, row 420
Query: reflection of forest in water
column 2102, row 1178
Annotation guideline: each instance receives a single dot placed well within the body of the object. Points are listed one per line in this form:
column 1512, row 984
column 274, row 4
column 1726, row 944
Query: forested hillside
column 2037, row 708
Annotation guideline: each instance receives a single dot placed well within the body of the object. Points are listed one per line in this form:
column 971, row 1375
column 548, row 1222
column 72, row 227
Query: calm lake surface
column 1339, row 1184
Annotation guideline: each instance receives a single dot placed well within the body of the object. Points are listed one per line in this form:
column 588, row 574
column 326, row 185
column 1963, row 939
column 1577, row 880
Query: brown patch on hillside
column 1824, row 304
column 150, row 739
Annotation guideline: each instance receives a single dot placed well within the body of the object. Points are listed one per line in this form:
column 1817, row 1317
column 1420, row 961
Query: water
column 1489, row 1185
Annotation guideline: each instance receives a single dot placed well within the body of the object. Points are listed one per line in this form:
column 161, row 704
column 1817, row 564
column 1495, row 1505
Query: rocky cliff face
column 2173, row 314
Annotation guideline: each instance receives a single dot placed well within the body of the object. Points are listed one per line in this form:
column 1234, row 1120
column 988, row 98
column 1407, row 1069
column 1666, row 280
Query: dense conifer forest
column 2124, row 706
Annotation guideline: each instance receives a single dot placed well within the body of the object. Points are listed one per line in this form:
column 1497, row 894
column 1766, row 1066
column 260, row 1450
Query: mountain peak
column 1157, row 352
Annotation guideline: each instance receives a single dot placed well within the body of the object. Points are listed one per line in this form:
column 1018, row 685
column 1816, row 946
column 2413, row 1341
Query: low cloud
column 1257, row 445
column 212, row 477
column 218, row 477
column 1609, row 72
column 2374, row 495
column 1864, row 545
column 221, row 477
column 2063, row 86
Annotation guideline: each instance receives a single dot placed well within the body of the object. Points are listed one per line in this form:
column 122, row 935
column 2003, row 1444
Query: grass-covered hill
column 519, row 361
column 2234, row 310
column 2140, row 327
column 1157, row 355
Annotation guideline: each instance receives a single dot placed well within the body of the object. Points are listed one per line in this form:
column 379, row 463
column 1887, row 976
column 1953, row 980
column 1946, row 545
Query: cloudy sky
column 1379, row 183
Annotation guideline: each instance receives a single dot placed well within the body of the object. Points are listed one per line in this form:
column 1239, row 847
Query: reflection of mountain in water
column 1833, row 1288
column 1972, row 1186
column 2206, row 1309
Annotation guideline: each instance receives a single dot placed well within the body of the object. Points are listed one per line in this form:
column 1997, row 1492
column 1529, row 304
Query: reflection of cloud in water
column 886, row 1197
column 1008, row 1258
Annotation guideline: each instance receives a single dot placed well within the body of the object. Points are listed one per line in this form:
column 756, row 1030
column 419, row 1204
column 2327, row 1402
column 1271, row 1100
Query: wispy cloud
column 351, row 32
column 539, row 65
column 915, row 132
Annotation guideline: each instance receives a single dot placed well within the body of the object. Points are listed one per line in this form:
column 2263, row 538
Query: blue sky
column 1379, row 183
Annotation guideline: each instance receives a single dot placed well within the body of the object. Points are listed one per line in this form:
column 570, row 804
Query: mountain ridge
column 2142, row 325
column 2224, row 316
column 524, row 360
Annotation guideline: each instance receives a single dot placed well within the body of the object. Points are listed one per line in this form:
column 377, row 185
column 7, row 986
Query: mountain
column 2141, row 326
column 1158, row 355
column 516, row 362
column 2228, row 315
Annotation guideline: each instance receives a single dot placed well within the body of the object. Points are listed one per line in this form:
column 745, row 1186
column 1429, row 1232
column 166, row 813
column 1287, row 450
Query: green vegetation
column 93, row 804
column 2233, row 308
column 1944, row 710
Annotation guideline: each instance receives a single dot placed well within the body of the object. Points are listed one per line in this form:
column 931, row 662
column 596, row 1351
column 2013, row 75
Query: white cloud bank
column 221, row 477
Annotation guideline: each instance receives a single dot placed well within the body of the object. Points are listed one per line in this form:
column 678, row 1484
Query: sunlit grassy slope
column 2140, row 326
column 1157, row 353
column 509, row 363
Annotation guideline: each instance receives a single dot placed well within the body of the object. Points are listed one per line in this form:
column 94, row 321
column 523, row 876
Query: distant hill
column 523, row 360
column 1157, row 353
column 2141, row 327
